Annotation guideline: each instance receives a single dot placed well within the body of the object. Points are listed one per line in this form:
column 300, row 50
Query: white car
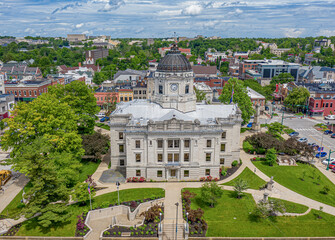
column 101, row 115
column 325, row 162
column 303, row 140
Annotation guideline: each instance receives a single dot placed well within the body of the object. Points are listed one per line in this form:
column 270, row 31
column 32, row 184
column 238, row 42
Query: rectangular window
column 186, row 143
column 120, row 135
column 223, row 135
column 159, row 173
column 138, row 157
column 186, row 173
column 121, row 148
column 326, row 105
column 139, row 92
column 121, row 99
column 130, row 98
column 138, row 144
column 209, row 143
column 223, row 147
column 176, row 143
column 221, row 160
column 160, row 89
column 159, row 157
column 208, row 157
column 144, row 92
column 121, row 162
column 159, row 143
column 138, row 173
column 170, row 143
column 176, row 157
column 186, row 157
column 125, row 99
column 135, row 92
column 208, row 172
column 331, row 105
column 29, row 93
column 25, row 93
column 170, row 156
column 317, row 105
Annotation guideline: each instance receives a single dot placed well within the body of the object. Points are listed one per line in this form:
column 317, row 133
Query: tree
column 45, row 116
column 271, row 157
column 210, row 192
column 269, row 208
column 239, row 186
column 201, row 95
column 95, row 144
column 275, row 129
column 81, row 193
column 297, row 98
column 282, row 78
column 82, row 101
column 240, row 97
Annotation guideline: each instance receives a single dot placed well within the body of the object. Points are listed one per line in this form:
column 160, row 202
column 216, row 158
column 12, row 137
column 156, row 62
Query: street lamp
column 186, row 220
column 177, row 204
column 118, row 195
column 330, row 152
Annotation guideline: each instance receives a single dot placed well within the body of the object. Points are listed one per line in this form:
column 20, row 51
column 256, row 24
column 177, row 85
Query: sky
column 161, row 18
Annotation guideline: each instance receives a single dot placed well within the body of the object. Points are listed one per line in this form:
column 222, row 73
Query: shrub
column 223, row 171
column 234, row 163
column 152, row 213
column 247, row 147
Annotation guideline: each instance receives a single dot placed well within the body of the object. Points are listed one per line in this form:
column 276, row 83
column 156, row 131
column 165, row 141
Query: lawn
column 311, row 185
column 292, row 207
column 30, row 228
column 102, row 125
column 87, row 168
column 254, row 182
column 232, row 217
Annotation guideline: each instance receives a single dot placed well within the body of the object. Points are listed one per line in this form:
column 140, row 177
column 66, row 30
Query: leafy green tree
column 271, row 156
column 95, row 144
column 201, row 95
column 82, row 101
column 297, row 98
column 45, row 116
column 210, row 193
column 240, row 97
column 282, row 78
column 81, row 193
column 275, row 129
column 239, row 186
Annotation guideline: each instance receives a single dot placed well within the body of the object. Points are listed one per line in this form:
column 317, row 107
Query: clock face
column 174, row 87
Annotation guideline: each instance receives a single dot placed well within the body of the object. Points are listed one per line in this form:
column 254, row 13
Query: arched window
column 187, row 89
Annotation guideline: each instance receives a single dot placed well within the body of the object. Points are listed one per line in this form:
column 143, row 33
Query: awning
column 317, row 110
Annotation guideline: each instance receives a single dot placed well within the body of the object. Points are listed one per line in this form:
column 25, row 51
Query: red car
column 332, row 165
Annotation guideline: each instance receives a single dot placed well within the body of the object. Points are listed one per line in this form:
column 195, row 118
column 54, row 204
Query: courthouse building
column 169, row 136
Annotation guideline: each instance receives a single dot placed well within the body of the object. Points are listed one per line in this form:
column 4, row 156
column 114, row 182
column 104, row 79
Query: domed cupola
column 174, row 61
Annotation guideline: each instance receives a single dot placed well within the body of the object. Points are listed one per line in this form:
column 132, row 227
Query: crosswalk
column 306, row 129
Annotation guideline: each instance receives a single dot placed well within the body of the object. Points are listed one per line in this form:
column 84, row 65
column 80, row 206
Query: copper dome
column 174, row 61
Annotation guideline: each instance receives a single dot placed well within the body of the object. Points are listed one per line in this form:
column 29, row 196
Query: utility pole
column 177, row 204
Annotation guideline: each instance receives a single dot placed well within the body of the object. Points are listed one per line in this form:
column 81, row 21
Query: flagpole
column 90, row 202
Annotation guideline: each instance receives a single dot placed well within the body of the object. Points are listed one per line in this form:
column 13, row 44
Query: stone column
column 265, row 197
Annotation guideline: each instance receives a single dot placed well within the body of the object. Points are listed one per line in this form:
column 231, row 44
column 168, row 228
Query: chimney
column 80, row 64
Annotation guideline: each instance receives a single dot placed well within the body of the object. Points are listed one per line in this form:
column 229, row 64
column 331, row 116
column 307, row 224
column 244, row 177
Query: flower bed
column 197, row 225
column 229, row 172
column 13, row 230
column 81, row 229
column 208, row 179
column 136, row 179
column 148, row 229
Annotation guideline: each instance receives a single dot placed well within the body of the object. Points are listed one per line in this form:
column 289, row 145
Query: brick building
column 321, row 106
column 106, row 95
column 213, row 81
column 27, row 91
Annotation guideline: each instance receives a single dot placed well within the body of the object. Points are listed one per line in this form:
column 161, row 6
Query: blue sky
column 161, row 18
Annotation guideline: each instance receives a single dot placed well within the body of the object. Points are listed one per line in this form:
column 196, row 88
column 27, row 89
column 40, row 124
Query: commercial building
column 6, row 105
column 28, row 90
column 93, row 55
column 76, row 37
column 170, row 136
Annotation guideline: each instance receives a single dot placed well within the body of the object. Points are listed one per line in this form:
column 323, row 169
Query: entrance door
column 173, row 173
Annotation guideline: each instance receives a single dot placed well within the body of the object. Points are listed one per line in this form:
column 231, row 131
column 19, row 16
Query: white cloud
column 169, row 12
column 327, row 33
column 293, row 32
column 110, row 4
column 79, row 25
column 66, row 7
column 238, row 11
column 194, row 9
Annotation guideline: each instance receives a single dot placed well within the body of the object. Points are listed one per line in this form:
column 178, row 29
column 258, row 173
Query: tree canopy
column 240, row 97
column 297, row 98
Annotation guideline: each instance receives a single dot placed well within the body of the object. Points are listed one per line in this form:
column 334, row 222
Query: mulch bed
column 146, row 230
column 230, row 171
column 198, row 229
column 13, row 230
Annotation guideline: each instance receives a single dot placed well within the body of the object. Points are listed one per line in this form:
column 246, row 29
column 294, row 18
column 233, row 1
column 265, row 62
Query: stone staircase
column 169, row 232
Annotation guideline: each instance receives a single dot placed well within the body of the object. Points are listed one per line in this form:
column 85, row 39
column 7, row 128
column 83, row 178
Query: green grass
column 232, row 217
column 15, row 207
column 291, row 177
column 254, row 182
column 87, row 168
column 244, row 129
column 102, row 125
column 30, row 227
column 292, row 207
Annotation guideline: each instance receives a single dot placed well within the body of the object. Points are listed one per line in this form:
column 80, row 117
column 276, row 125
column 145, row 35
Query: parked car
column 321, row 154
column 333, row 170
column 333, row 135
column 302, row 140
column 104, row 119
column 294, row 134
column 330, row 117
column 249, row 125
column 100, row 115
column 328, row 132
column 332, row 166
column 325, row 162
